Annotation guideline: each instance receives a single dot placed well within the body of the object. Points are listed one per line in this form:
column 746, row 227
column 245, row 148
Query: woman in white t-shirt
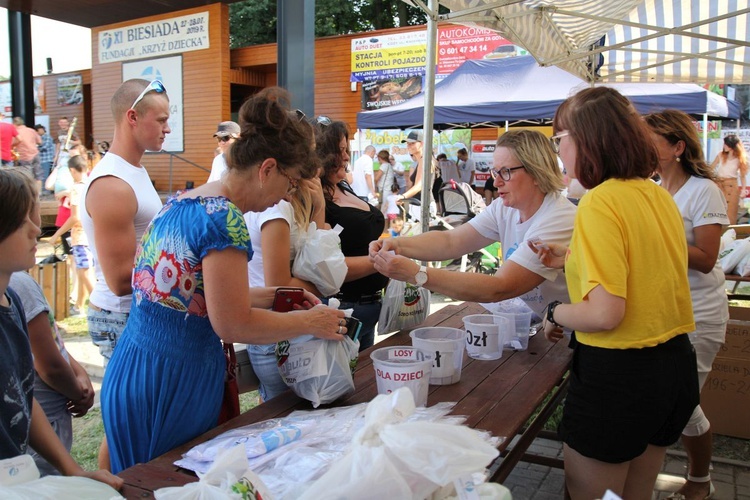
column 731, row 161
column 690, row 181
column 529, row 206
column 274, row 237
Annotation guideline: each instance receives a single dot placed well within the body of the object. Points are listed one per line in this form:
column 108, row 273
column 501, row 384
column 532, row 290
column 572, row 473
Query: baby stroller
column 461, row 204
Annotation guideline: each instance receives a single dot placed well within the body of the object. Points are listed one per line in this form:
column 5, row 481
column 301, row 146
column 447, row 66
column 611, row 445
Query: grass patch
column 88, row 432
column 74, row 327
column 554, row 420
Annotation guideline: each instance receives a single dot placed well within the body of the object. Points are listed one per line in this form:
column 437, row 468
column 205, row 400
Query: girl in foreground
column 633, row 382
column 22, row 420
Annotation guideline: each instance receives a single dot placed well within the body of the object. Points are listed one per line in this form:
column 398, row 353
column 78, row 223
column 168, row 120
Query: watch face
column 421, row 277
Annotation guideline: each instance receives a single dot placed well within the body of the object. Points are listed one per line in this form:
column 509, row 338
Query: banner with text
column 393, row 140
column 401, row 55
column 392, row 67
column 154, row 39
column 481, row 153
column 69, row 90
column 457, row 44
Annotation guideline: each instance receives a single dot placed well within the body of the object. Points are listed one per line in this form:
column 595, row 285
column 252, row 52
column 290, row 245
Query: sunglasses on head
column 321, row 120
column 155, row 86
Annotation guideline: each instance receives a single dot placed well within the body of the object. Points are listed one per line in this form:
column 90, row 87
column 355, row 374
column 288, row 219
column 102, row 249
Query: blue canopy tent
column 494, row 91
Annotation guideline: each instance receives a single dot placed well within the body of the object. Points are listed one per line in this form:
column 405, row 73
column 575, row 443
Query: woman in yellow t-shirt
column 633, row 376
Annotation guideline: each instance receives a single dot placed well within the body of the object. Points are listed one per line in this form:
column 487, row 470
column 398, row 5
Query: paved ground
column 528, row 481
column 537, row 482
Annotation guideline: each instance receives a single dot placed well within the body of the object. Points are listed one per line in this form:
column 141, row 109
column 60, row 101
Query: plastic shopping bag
column 59, row 488
column 318, row 370
column 404, row 306
column 393, row 458
column 320, row 260
column 727, row 239
column 733, row 255
column 229, row 478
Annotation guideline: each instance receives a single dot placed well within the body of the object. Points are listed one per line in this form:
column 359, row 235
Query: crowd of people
column 175, row 284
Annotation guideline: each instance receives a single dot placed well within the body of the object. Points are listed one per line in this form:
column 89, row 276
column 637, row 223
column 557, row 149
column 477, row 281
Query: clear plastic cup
column 447, row 348
column 485, row 336
column 519, row 335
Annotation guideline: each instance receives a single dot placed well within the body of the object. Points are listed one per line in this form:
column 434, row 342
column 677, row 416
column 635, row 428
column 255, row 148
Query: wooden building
column 215, row 82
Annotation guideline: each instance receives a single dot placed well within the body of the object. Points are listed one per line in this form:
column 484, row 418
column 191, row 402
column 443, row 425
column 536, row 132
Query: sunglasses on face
column 225, row 138
column 155, row 86
column 504, row 172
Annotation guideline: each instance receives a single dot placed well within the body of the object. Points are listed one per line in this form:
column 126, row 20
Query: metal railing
column 172, row 157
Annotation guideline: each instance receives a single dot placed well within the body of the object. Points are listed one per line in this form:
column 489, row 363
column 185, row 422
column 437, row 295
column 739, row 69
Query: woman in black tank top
column 362, row 224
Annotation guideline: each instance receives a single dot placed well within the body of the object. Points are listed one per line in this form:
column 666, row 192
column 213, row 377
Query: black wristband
column 551, row 312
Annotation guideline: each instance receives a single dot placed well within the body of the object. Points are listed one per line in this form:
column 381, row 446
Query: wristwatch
column 421, row 276
column 551, row 312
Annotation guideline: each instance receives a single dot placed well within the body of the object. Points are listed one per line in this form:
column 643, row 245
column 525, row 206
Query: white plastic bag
column 318, row 370
column 404, row 306
column 59, row 488
column 733, row 254
column 727, row 239
column 320, row 260
column 229, row 478
column 393, row 458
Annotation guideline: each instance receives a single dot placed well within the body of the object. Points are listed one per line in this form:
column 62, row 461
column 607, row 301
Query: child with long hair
column 23, row 423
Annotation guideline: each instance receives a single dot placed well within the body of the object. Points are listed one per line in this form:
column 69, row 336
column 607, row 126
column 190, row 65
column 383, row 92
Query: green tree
column 254, row 21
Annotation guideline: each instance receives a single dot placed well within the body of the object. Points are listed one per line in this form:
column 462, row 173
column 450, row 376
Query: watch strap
column 551, row 312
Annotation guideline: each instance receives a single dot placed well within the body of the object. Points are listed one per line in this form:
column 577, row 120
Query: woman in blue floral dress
column 164, row 384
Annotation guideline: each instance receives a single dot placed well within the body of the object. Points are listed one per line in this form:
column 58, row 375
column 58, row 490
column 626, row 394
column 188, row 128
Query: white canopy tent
column 701, row 41
column 672, row 41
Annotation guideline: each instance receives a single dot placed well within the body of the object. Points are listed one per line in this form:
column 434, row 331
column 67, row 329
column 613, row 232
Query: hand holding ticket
column 551, row 255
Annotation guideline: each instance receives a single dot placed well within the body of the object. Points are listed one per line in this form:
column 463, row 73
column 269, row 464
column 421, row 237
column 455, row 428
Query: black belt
column 362, row 299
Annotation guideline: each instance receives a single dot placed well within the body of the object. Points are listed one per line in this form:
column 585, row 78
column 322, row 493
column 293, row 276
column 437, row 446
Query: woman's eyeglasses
column 555, row 140
column 292, row 182
column 155, row 86
column 504, row 172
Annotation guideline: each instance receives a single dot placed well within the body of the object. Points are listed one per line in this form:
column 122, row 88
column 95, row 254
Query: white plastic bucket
column 403, row 366
column 485, row 336
column 447, row 348
column 519, row 335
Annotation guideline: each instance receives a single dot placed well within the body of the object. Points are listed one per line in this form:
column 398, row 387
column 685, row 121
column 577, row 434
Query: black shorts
column 622, row 400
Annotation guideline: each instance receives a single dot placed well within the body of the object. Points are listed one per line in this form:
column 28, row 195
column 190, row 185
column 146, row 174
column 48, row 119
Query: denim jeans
column 368, row 314
column 263, row 359
column 105, row 327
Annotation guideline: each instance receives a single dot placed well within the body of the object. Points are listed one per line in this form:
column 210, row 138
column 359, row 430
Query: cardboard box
column 737, row 341
column 725, row 398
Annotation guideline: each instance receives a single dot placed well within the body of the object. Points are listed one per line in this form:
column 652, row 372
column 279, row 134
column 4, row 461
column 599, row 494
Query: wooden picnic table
column 497, row 396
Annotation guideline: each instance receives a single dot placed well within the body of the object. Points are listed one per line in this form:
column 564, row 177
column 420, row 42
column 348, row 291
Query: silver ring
column 340, row 331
